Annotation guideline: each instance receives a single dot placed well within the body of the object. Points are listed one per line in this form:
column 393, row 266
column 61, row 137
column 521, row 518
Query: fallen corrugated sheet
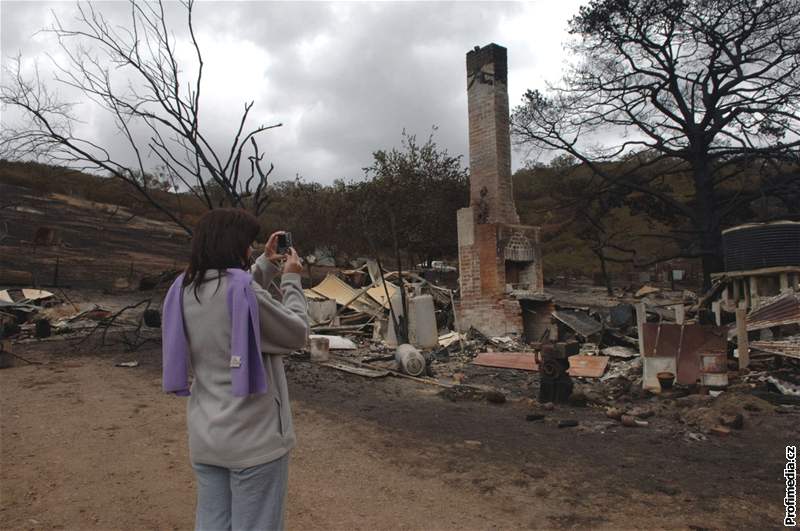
column 36, row 294
column 787, row 346
column 782, row 311
column 24, row 295
column 361, row 371
column 379, row 293
column 580, row 322
column 685, row 344
column 525, row 361
column 334, row 288
column 587, row 366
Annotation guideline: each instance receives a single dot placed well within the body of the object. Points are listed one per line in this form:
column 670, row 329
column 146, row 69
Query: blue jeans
column 244, row 499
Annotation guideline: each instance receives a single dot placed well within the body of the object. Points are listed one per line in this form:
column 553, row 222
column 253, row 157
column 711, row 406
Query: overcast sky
column 344, row 78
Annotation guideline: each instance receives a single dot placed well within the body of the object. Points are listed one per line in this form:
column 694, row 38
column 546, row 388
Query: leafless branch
column 133, row 73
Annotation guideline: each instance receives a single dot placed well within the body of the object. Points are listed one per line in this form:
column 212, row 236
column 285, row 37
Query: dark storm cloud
column 344, row 79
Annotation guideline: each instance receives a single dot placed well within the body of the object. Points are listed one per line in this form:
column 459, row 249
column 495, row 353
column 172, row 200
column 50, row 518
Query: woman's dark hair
column 220, row 241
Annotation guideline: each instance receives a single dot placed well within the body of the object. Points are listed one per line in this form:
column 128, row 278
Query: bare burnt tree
column 701, row 88
column 133, row 73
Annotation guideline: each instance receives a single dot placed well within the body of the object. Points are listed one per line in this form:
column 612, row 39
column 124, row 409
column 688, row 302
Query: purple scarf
column 247, row 366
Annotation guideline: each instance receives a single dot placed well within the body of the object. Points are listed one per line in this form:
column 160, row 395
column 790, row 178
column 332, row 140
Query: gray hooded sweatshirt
column 241, row 432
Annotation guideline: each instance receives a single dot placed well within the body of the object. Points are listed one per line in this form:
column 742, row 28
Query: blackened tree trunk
column 706, row 219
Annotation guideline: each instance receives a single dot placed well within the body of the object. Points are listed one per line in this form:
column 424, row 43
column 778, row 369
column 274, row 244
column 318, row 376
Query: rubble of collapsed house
column 658, row 353
column 645, row 357
column 709, row 362
column 654, row 352
column 29, row 315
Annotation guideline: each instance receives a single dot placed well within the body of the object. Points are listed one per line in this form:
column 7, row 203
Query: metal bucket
column 319, row 348
column 714, row 369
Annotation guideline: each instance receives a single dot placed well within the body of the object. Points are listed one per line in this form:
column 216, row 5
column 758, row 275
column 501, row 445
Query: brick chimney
column 499, row 259
column 489, row 138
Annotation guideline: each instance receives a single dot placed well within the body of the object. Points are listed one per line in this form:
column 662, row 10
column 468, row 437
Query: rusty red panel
column 685, row 343
column 698, row 340
column 661, row 340
column 507, row 360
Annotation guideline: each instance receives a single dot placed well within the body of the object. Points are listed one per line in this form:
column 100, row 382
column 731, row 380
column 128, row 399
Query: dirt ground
column 87, row 445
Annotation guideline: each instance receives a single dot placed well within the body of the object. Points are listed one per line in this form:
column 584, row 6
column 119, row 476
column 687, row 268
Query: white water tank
column 422, row 331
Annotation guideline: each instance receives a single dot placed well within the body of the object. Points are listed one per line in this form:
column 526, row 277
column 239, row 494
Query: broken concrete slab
column 336, row 342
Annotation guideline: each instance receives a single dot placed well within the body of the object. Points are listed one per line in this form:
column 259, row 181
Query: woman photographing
column 222, row 321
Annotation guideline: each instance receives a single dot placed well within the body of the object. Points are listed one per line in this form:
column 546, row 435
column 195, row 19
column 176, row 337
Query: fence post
column 743, row 345
column 641, row 318
column 55, row 272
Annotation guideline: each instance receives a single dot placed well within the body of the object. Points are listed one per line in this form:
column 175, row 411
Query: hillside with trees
column 593, row 226
column 406, row 201
column 670, row 103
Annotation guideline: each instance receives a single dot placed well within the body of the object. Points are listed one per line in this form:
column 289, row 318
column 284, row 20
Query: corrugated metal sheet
column 334, row 288
column 782, row 311
column 760, row 245
column 579, row 321
column 379, row 293
column 788, row 346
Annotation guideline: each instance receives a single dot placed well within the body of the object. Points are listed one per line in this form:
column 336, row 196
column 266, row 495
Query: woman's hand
column 271, row 247
column 293, row 263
